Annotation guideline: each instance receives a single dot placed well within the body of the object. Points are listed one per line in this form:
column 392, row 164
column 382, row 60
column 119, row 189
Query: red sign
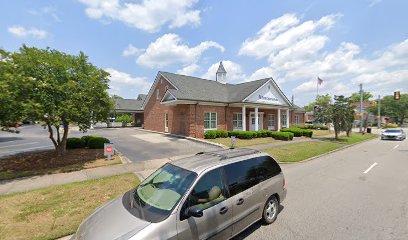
column 109, row 149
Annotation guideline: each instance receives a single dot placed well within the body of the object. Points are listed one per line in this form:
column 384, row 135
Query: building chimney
column 221, row 75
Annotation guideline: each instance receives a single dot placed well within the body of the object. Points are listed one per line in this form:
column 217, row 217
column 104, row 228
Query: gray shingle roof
column 198, row 89
column 128, row 104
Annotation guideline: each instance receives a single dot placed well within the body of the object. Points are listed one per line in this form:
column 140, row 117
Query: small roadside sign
column 233, row 141
column 108, row 150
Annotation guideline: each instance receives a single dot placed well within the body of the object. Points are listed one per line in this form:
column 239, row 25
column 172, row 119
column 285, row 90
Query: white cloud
column 168, row 49
column 20, row 31
column 234, row 72
column 131, row 51
column 121, row 83
column 146, row 15
column 50, row 11
column 283, row 32
column 301, row 55
column 189, row 70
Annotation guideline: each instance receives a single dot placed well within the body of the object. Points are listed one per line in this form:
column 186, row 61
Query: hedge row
column 93, row 142
column 298, row 132
column 319, row 127
column 286, row 136
column 212, row 134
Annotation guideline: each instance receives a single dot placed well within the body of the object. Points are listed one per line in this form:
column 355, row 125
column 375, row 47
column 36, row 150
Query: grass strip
column 243, row 142
column 54, row 212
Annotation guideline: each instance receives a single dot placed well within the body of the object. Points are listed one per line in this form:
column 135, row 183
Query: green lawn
column 300, row 151
column 317, row 133
column 244, row 142
column 354, row 138
column 55, row 212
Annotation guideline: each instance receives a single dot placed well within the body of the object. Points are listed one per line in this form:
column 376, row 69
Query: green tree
column 60, row 90
column 397, row 109
column 342, row 112
column 321, row 100
column 10, row 102
column 355, row 97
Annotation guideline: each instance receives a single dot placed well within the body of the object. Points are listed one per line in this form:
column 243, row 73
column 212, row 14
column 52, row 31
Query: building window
column 271, row 121
column 297, row 120
column 237, row 121
column 210, row 120
column 283, row 120
column 166, row 122
column 158, row 94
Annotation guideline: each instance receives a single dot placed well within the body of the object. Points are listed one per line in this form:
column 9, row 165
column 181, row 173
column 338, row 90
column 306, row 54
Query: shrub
column 210, row 134
column 321, row 127
column 86, row 139
column 245, row 135
column 296, row 131
column 264, row 133
column 221, row 133
column 75, row 143
column 286, row 136
column 234, row 133
column 97, row 142
column 124, row 118
column 307, row 133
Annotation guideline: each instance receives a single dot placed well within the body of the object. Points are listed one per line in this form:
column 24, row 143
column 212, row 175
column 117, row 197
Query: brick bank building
column 190, row 106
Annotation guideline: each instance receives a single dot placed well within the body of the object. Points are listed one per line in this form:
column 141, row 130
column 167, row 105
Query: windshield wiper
column 136, row 195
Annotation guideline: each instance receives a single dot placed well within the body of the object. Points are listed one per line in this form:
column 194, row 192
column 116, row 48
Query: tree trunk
column 62, row 146
column 336, row 134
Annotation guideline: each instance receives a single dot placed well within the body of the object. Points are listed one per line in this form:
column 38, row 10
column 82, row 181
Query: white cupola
column 221, row 75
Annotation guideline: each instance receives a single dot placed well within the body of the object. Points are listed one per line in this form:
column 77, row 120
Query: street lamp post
column 379, row 111
column 361, row 107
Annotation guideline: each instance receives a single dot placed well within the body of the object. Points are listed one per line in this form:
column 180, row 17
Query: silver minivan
column 212, row 195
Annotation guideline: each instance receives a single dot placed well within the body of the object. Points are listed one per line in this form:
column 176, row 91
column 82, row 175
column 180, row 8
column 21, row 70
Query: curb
column 327, row 153
column 122, row 157
column 185, row 137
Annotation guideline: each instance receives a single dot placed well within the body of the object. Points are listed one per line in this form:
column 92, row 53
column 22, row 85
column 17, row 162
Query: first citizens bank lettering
column 261, row 97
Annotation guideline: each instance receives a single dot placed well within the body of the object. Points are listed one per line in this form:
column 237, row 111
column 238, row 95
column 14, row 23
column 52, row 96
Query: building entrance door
column 252, row 122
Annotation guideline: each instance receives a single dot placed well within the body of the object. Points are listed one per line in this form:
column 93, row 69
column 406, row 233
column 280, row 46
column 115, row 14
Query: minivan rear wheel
column 270, row 211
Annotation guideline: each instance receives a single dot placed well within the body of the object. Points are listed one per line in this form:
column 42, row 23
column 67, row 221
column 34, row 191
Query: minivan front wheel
column 270, row 211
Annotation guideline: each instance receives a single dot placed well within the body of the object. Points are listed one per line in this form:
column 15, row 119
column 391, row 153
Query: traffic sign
column 108, row 150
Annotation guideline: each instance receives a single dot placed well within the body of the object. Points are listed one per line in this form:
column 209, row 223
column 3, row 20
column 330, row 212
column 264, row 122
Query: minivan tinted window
column 247, row 173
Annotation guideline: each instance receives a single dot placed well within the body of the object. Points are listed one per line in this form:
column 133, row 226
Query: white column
column 243, row 118
column 287, row 118
column 256, row 119
column 279, row 119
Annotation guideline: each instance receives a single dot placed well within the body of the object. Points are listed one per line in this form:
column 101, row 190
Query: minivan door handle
column 223, row 210
column 240, row 201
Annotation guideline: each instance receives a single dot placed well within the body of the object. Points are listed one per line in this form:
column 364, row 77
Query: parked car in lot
column 395, row 134
column 210, row 195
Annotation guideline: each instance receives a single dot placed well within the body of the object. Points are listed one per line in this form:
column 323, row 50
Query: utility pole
column 361, row 107
column 379, row 111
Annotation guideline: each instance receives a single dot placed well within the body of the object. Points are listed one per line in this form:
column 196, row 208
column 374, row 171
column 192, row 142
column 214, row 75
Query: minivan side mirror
column 195, row 212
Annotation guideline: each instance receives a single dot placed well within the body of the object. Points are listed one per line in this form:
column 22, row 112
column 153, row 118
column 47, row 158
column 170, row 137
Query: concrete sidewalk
column 141, row 169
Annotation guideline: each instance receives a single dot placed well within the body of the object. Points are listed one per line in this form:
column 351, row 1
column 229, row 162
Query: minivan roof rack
column 230, row 153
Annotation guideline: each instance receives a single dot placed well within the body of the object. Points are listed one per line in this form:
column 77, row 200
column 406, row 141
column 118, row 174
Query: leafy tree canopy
column 321, row 100
column 355, row 97
column 60, row 89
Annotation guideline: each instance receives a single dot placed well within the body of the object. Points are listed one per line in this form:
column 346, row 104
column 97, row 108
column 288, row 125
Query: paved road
column 332, row 198
column 135, row 144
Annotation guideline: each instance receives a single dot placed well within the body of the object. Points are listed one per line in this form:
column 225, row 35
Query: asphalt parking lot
column 135, row 144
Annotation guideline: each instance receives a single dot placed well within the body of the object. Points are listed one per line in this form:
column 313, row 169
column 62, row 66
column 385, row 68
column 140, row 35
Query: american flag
column 319, row 81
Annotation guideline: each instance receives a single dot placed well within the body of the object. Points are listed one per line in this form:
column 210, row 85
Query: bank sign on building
column 190, row 106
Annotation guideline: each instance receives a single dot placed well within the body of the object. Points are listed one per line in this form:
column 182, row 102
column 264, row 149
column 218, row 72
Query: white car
column 395, row 134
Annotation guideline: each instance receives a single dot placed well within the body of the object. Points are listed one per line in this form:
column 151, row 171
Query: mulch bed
column 48, row 159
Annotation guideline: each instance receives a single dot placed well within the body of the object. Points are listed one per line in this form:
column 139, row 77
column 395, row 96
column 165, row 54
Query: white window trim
column 216, row 121
column 239, row 120
column 158, row 94
column 166, row 121
column 296, row 118
column 283, row 120
column 274, row 122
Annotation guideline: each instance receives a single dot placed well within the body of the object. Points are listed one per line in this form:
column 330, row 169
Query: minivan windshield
column 158, row 194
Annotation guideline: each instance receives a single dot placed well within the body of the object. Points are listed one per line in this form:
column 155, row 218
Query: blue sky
column 345, row 43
